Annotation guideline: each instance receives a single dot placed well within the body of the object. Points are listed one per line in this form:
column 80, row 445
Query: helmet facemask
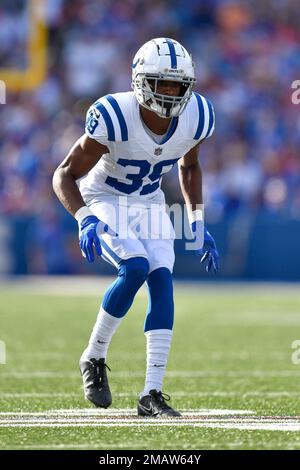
column 166, row 106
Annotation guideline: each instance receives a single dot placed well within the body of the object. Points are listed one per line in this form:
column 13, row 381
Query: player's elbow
column 56, row 180
column 60, row 175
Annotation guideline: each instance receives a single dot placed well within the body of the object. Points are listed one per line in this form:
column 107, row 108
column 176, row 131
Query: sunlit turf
column 231, row 350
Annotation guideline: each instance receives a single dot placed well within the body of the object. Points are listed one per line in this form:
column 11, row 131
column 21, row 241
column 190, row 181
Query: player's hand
column 90, row 230
column 208, row 252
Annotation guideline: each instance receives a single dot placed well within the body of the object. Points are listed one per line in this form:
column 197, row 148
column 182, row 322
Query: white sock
column 158, row 347
column 101, row 336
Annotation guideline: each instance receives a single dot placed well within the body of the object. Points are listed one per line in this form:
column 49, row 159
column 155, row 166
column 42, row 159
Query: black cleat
column 95, row 382
column 154, row 405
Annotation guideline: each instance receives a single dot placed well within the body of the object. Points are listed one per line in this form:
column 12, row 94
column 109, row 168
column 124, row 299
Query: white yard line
column 133, row 445
column 292, row 445
column 126, row 417
column 254, row 425
column 84, row 445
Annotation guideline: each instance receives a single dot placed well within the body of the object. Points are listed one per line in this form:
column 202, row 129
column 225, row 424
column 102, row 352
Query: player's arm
column 190, row 178
column 82, row 157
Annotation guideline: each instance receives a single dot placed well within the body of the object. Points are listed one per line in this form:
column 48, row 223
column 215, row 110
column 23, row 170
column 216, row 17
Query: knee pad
column 134, row 270
column 119, row 296
column 160, row 313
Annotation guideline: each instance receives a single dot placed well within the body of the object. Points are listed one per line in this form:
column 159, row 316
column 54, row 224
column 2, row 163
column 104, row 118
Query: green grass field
column 231, row 351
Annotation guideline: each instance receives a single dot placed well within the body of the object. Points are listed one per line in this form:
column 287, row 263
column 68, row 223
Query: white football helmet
column 162, row 59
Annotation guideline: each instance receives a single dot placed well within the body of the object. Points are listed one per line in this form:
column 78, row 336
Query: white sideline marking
column 170, row 374
column 64, row 286
column 89, row 285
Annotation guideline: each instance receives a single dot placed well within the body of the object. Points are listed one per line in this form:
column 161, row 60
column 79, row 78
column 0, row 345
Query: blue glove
column 90, row 230
column 209, row 251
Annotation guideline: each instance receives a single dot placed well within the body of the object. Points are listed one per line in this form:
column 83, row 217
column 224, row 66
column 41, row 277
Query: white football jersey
column 135, row 163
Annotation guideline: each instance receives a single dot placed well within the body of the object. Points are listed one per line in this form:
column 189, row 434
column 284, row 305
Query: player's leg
column 158, row 331
column 158, row 324
column 116, row 302
column 132, row 272
column 158, row 327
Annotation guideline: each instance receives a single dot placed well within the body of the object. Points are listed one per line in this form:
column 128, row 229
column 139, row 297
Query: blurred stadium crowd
column 247, row 55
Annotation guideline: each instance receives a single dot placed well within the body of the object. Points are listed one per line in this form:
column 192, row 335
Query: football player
column 131, row 139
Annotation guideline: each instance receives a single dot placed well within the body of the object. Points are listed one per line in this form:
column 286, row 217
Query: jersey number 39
column 137, row 179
